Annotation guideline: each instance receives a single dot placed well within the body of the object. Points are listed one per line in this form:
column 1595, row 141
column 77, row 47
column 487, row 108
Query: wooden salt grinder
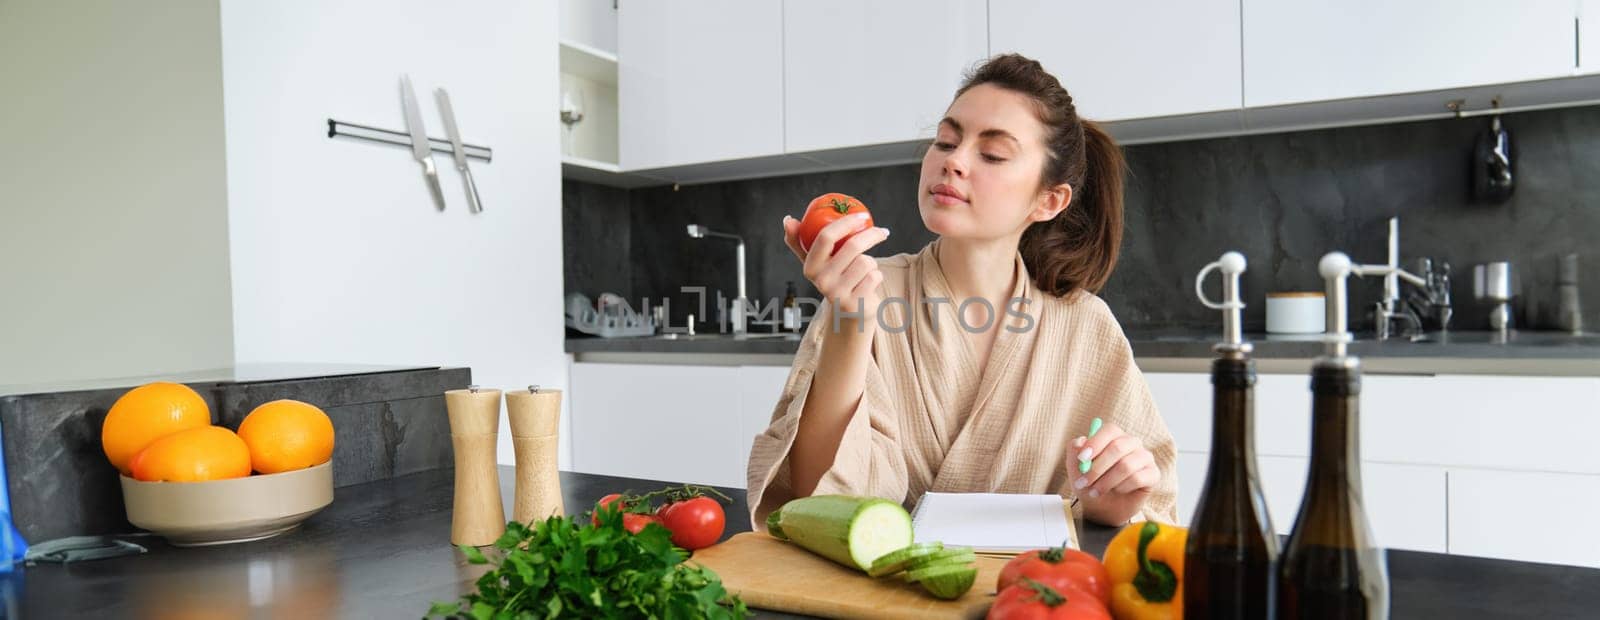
column 535, row 430
column 477, row 518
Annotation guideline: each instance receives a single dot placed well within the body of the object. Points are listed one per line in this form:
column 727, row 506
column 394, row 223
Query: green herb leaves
column 561, row 568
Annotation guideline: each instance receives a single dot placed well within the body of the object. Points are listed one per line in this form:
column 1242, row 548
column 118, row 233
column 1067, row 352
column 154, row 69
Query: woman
column 977, row 364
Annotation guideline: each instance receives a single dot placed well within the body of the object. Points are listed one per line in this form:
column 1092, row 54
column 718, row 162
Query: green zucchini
column 850, row 530
column 947, row 581
column 899, row 559
column 948, row 555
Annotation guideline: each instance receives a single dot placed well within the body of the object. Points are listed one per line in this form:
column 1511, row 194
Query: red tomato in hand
column 633, row 522
column 1059, row 568
column 823, row 210
column 1036, row 601
column 695, row 523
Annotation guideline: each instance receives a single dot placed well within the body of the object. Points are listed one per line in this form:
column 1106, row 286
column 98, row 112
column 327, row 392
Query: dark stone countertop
column 382, row 550
column 680, row 343
column 1454, row 344
column 1470, row 352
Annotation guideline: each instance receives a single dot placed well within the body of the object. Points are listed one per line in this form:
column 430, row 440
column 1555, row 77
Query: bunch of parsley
column 565, row 568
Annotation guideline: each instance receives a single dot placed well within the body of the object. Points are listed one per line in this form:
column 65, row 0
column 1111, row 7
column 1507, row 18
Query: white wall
column 338, row 253
column 113, row 222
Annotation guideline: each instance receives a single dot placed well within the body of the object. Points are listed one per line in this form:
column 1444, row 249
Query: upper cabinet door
column 698, row 81
column 1589, row 36
column 1312, row 50
column 1127, row 60
column 858, row 73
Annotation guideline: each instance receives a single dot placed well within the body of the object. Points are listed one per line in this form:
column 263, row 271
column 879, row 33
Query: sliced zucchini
column 948, row 555
column 948, row 582
column 898, row 560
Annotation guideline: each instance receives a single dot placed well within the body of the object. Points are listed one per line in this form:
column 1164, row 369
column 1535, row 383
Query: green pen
column 1094, row 427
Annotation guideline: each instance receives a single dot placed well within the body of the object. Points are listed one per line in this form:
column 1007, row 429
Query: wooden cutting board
column 772, row 574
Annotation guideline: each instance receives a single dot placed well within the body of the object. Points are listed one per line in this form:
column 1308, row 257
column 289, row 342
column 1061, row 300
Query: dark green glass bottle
column 1230, row 559
column 1330, row 566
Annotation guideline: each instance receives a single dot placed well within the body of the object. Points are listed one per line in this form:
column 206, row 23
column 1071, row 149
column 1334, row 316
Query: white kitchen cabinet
column 1588, row 36
column 699, row 81
column 1405, row 505
column 591, row 23
column 1316, row 50
column 1529, row 516
column 1283, row 411
column 858, row 73
column 661, row 422
column 759, row 388
column 1404, row 490
column 1184, row 400
column 1127, row 60
column 1283, row 481
column 1445, row 420
column 1192, row 468
column 668, row 421
column 1482, row 421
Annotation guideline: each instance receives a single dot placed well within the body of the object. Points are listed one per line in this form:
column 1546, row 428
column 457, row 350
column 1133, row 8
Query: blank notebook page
column 1000, row 522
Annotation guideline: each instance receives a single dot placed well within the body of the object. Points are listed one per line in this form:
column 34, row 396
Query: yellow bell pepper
column 1145, row 562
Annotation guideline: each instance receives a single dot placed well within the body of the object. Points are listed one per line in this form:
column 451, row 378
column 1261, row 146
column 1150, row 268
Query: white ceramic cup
column 1296, row 313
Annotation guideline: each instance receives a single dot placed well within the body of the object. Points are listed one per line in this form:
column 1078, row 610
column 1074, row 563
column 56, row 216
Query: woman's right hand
column 848, row 277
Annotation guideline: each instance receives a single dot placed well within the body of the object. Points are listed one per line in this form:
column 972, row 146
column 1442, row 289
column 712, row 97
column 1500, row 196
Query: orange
column 285, row 435
column 147, row 413
column 194, row 455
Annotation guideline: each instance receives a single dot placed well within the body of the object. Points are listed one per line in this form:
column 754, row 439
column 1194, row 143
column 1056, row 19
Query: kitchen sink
column 719, row 336
column 1518, row 338
column 767, row 337
column 1530, row 338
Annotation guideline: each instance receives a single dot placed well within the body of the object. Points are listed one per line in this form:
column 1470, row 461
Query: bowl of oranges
column 199, row 484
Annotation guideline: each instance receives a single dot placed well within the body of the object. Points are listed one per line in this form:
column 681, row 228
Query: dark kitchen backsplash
column 1283, row 200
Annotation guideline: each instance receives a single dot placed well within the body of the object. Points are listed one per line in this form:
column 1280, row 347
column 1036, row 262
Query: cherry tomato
column 634, row 522
column 823, row 210
column 1059, row 568
column 614, row 498
column 695, row 523
column 1031, row 600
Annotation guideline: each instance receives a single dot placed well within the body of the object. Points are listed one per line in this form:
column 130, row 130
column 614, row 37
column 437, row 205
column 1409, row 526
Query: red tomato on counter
column 609, row 500
column 1031, row 600
column 634, row 522
column 695, row 523
column 1059, row 568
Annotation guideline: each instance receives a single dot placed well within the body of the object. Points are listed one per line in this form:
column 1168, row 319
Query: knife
column 420, row 147
column 473, row 204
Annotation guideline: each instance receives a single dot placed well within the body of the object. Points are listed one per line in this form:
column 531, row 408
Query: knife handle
column 433, row 182
column 473, row 204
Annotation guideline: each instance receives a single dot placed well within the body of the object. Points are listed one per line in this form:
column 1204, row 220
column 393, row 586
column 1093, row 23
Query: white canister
column 1296, row 313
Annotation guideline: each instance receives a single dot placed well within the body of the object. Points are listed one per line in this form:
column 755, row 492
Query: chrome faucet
column 1431, row 300
column 738, row 307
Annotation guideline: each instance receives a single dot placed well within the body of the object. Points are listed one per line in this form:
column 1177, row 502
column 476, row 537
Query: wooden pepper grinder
column 477, row 518
column 535, row 427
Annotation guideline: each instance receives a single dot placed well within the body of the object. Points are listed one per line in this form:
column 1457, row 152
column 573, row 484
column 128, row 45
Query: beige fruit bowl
column 218, row 512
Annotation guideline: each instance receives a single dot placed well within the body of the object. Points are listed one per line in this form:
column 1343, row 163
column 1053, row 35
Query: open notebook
column 996, row 523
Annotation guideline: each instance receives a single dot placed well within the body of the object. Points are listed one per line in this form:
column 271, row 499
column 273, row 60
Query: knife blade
column 420, row 147
column 445, row 110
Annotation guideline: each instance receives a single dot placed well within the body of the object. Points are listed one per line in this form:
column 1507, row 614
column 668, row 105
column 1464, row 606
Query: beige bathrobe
column 930, row 420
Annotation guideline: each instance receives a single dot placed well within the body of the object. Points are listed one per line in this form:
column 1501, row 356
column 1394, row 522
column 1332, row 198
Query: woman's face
column 980, row 178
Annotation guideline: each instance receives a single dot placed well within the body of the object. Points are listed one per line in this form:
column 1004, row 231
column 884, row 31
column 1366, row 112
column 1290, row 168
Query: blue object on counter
column 12, row 546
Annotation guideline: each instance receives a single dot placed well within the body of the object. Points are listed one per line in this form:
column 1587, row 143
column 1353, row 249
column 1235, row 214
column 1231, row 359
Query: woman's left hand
column 1123, row 474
